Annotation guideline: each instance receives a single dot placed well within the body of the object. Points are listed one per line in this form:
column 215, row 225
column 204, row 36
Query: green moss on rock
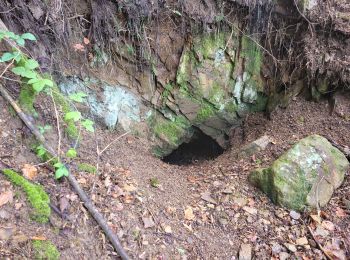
column 45, row 250
column 305, row 176
column 36, row 195
column 174, row 130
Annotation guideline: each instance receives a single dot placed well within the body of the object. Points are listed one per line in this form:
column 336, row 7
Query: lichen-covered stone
column 305, row 176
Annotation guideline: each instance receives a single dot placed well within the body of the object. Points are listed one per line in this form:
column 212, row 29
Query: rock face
column 112, row 105
column 305, row 176
column 217, row 83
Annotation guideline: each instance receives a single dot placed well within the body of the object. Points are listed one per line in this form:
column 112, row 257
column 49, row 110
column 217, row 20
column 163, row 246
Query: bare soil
column 156, row 222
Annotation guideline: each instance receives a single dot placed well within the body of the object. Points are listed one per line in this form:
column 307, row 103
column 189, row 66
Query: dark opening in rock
column 200, row 148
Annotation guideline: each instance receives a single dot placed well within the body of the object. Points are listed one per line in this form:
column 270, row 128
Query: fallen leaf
column 6, row 232
column 86, row 41
column 29, row 171
column 128, row 199
column 108, row 182
column 129, row 188
column 207, row 197
column 302, row 241
column 148, row 222
column 167, row 229
column 333, row 250
column 316, row 218
column 78, row 47
column 328, row 225
column 189, row 213
column 6, row 197
column 250, row 210
column 18, row 205
column 21, row 238
column 63, row 203
column 340, row 212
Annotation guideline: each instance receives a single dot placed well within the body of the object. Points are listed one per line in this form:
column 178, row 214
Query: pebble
column 292, row 248
column 294, row 215
column 302, row 241
column 284, row 256
column 250, row 210
column 245, row 253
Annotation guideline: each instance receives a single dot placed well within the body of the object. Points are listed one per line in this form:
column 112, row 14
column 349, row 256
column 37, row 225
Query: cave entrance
column 201, row 147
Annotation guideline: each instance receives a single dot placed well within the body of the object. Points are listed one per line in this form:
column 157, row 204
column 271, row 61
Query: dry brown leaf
column 78, row 47
column 128, row 199
column 6, row 197
column 189, row 213
column 86, row 41
column 148, row 222
column 316, row 218
column 29, row 171
column 340, row 212
column 129, row 188
column 328, row 225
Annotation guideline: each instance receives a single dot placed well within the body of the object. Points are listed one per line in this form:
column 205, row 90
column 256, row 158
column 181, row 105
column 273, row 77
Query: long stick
column 72, row 180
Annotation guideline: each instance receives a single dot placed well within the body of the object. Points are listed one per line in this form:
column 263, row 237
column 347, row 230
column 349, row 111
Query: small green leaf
column 60, row 172
column 88, row 125
column 58, row 165
column 78, row 97
column 40, row 84
column 7, row 56
column 71, row 153
column 11, row 35
column 24, row 72
column 31, row 64
column 74, row 115
column 20, row 42
column 28, row 36
column 40, row 150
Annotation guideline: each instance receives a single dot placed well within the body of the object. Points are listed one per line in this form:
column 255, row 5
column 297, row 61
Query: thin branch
column 108, row 145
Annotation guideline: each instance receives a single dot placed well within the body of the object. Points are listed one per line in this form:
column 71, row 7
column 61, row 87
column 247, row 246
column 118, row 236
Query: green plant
column 154, row 182
column 44, row 249
column 36, row 195
column 33, row 83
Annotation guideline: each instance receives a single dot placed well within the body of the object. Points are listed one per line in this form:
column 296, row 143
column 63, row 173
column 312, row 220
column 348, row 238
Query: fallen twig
column 72, row 180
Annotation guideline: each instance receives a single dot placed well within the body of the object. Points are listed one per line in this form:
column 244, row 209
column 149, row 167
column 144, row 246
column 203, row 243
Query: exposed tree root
column 72, row 180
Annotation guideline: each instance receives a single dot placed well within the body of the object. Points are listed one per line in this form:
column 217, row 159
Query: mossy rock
column 37, row 197
column 305, row 176
column 45, row 250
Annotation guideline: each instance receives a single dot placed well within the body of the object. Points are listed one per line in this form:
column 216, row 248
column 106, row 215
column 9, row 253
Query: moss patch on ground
column 85, row 167
column 45, row 250
column 36, row 195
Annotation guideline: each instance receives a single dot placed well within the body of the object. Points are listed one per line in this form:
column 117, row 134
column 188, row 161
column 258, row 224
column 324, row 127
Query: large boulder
column 305, row 176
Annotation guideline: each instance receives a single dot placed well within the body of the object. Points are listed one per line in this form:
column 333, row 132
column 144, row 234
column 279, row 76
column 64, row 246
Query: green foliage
column 44, row 249
column 88, row 125
column 78, row 97
column 73, row 115
column 71, row 153
column 43, row 129
column 85, row 167
column 154, row 182
column 36, row 195
column 60, row 170
column 32, row 84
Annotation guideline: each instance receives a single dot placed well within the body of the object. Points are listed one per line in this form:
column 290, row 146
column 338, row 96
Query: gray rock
column 254, row 147
column 305, row 176
column 294, row 215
